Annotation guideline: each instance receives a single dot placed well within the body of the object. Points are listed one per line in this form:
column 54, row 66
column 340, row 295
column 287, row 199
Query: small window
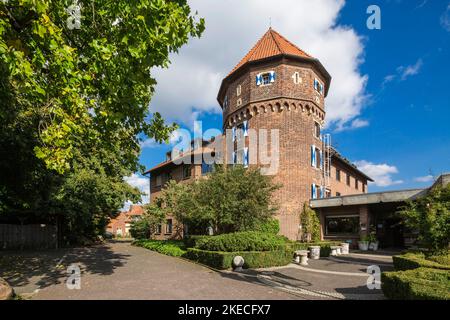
column 316, row 129
column 296, row 77
column 318, row 158
column 338, row 194
column 158, row 229
column 265, row 78
column 327, row 193
column 239, row 102
column 225, row 102
column 169, row 226
column 363, row 187
column 318, row 86
column 338, row 175
column 348, row 179
column 158, row 180
column 238, row 90
column 186, row 172
column 356, row 184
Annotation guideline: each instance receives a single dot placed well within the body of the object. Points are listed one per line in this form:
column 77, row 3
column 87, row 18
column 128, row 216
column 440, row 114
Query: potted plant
column 363, row 243
column 373, row 241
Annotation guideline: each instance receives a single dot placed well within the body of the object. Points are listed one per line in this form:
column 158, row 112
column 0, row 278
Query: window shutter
column 245, row 128
column 313, row 191
column 245, row 157
column 272, row 76
column 313, row 155
column 233, row 130
column 258, row 79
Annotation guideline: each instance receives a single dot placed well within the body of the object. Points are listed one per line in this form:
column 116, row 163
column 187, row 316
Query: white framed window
column 297, row 78
column 265, row 78
column 239, row 102
column 238, row 90
column 318, row 86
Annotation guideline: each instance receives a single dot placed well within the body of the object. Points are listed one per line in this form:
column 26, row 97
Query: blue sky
column 389, row 104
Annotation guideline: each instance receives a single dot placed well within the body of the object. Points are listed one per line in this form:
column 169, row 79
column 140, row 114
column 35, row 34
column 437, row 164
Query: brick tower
column 279, row 86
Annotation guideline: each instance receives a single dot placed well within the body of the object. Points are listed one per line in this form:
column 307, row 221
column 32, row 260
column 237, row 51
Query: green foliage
column 416, row 284
column 253, row 259
column 140, row 229
column 413, row 260
column 147, row 225
column 74, row 103
column 230, row 200
column 430, row 216
column 69, row 79
column 191, row 241
column 168, row 247
column 310, row 224
column 325, row 246
column 270, row 226
column 242, row 241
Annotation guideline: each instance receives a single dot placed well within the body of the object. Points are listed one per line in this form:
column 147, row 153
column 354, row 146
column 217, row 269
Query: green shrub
column 413, row 260
column 191, row 241
column 168, row 247
column 270, row 226
column 416, row 284
column 242, row 241
column 253, row 259
column 325, row 246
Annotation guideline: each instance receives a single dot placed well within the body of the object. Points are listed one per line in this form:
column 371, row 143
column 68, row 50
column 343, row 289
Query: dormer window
column 265, row 78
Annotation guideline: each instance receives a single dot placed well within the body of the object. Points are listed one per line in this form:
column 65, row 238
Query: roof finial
column 270, row 22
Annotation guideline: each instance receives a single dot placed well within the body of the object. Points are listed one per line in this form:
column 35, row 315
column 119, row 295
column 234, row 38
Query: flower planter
column 373, row 246
column 345, row 248
column 363, row 245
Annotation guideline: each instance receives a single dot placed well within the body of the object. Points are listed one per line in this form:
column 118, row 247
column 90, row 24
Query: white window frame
column 238, row 90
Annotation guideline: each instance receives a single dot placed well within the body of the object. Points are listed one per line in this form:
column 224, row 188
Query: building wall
column 292, row 108
column 341, row 186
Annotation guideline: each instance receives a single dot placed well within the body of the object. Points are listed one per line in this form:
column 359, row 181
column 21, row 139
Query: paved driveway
column 118, row 270
column 122, row 271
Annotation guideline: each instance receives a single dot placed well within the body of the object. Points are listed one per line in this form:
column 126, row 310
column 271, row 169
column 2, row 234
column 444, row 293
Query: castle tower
column 279, row 86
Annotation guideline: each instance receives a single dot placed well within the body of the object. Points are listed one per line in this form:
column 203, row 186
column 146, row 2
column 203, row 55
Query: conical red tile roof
column 271, row 44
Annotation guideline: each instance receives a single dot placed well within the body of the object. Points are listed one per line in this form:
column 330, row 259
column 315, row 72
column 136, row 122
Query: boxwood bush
column 168, row 247
column 413, row 260
column 325, row 246
column 417, row 284
column 191, row 241
column 242, row 241
column 253, row 259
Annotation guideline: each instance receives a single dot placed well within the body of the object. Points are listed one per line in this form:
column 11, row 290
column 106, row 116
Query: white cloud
column 445, row 19
column 380, row 173
column 410, row 70
column 428, row 178
column 149, row 143
column 140, row 182
column 232, row 27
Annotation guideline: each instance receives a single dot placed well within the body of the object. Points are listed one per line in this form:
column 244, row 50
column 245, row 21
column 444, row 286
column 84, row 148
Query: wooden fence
column 28, row 236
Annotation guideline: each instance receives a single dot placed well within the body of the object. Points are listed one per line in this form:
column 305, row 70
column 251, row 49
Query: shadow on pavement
column 41, row 267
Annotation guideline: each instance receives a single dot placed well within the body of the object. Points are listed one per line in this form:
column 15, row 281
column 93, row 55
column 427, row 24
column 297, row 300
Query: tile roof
column 271, row 44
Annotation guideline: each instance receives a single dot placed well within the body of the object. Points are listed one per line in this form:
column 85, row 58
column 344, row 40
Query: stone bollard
column 314, row 252
column 6, row 292
column 345, row 248
column 333, row 251
column 238, row 262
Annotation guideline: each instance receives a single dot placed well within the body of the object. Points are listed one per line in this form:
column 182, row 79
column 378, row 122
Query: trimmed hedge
column 325, row 246
column 168, row 247
column 242, row 241
column 253, row 259
column 414, row 260
column 416, row 284
column 191, row 241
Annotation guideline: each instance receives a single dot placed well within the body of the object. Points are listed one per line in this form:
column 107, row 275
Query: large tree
column 228, row 200
column 74, row 97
